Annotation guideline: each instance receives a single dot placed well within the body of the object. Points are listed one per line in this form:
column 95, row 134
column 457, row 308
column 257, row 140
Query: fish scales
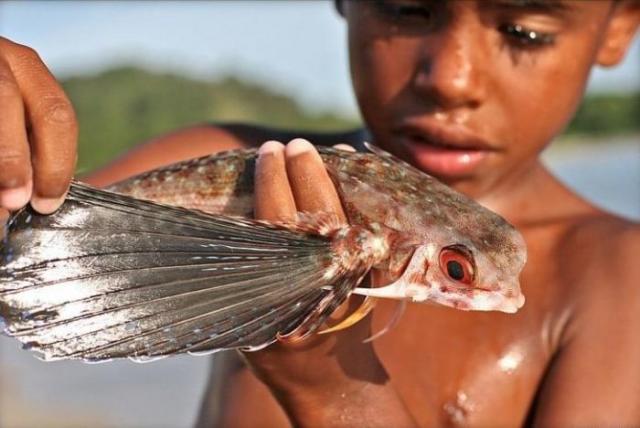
column 170, row 261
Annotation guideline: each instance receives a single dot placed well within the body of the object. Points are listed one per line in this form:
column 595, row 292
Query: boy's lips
column 445, row 151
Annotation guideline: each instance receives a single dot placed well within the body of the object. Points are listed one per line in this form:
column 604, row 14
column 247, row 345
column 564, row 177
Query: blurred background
column 135, row 70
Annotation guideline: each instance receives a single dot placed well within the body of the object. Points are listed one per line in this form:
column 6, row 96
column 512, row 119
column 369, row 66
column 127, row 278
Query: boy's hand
column 38, row 132
column 308, row 376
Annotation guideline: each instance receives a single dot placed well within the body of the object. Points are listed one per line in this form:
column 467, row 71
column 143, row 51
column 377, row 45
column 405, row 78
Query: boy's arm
column 180, row 145
column 595, row 378
column 234, row 397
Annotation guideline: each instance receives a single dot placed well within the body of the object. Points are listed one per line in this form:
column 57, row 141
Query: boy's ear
column 622, row 27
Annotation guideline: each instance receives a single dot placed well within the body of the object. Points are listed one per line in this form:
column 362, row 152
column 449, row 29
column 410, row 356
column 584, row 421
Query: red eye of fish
column 456, row 264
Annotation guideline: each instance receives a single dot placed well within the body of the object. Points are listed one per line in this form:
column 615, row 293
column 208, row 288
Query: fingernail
column 46, row 205
column 270, row 147
column 14, row 199
column 298, row 146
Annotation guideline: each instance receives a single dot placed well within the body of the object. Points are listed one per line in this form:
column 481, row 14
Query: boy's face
column 472, row 91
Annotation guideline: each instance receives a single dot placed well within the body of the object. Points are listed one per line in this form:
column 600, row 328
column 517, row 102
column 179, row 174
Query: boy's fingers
column 273, row 197
column 312, row 188
column 52, row 122
column 15, row 163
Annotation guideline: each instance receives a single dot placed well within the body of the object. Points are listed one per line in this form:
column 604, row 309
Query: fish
column 171, row 261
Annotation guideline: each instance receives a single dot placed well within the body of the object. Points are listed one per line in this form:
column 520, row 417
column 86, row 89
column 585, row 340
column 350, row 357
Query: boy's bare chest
column 466, row 368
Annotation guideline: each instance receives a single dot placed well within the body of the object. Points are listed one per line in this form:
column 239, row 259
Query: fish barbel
column 170, row 261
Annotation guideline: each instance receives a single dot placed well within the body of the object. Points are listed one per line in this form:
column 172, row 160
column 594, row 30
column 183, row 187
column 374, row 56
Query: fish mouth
column 510, row 305
column 478, row 299
column 475, row 300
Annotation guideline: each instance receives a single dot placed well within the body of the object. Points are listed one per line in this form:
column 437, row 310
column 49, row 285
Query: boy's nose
column 452, row 70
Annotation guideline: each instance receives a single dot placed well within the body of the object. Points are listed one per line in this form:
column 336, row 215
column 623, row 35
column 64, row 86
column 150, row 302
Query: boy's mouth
column 443, row 151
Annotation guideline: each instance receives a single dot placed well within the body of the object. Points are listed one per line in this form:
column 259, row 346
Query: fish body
column 170, row 261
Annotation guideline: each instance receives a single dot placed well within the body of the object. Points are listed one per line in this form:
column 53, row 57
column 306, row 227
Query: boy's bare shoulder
column 604, row 243
column 597, row 260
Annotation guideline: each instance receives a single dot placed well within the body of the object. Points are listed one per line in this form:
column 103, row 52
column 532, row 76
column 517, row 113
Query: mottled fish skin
column 375, row 188
column 216, row 184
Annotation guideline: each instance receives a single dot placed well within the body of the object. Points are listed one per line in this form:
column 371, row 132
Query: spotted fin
column 109, row 276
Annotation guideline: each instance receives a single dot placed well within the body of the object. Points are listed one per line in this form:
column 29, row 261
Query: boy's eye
column 526, row 37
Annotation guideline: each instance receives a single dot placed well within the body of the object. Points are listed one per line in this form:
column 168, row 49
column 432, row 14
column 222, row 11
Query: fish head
column 462, row 271
column 467, row 256
column 463, row 275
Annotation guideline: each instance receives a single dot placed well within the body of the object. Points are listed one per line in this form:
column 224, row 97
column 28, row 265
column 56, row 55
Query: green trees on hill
column 122, row 107
column 125, row 106
column 607, row 114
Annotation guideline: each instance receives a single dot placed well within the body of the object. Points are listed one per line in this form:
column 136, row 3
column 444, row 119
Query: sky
column 295, row 47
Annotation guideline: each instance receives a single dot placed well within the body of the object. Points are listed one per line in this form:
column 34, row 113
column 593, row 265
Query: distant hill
column 602, row 115
column 125, row 106
column 122, row 107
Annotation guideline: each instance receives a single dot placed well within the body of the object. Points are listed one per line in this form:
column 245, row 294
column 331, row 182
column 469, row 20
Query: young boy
column 470, row 92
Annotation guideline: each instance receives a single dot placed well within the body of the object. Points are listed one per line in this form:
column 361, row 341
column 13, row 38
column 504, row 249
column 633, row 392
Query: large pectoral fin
column 109, row 276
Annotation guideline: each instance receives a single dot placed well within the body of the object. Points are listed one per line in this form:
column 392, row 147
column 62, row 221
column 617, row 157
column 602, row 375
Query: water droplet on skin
column 458, row 410
column 509, row 362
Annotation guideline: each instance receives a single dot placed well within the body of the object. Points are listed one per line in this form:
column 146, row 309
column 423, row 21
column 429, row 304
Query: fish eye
column 457, row 263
